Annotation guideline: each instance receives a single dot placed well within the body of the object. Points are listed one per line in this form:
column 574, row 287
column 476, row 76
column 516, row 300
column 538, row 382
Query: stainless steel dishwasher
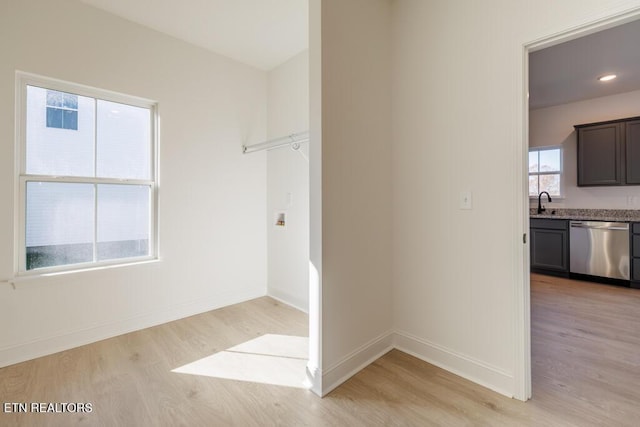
column 599, row 248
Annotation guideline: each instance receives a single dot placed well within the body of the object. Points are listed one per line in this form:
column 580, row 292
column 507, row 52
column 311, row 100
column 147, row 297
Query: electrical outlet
column 465, row 200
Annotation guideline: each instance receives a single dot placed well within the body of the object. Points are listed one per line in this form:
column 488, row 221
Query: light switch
column 465, row 200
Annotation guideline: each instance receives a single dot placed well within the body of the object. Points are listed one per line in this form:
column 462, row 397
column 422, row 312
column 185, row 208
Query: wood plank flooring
column 585, row 357
column 586, row 350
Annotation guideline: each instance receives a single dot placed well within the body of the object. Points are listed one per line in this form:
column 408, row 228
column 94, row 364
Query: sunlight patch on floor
column 269, row 359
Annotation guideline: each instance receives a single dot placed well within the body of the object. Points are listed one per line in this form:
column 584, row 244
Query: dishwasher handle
column 599, row 227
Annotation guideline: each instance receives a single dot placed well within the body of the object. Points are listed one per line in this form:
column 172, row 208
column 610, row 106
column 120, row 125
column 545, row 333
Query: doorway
column 549, row 122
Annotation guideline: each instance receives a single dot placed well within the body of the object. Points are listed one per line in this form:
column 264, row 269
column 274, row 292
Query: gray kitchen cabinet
column 609, row 153
column 632, row 143
column 600, row 154
column 549, row 246
column 635, row 254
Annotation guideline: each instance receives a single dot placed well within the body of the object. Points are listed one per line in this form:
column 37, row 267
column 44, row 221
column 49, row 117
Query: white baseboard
column 323, row 382
column 477, row 371
column 42, row 347
column 355, row 361
column 288, row 300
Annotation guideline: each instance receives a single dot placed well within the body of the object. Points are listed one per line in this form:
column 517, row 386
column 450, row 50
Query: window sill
column 29, row 277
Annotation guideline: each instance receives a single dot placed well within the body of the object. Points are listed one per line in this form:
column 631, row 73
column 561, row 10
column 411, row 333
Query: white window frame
column 21, row 177
column 559, row 172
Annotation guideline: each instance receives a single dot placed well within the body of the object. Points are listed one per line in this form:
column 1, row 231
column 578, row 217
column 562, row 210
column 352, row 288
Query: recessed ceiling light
column 607, row 77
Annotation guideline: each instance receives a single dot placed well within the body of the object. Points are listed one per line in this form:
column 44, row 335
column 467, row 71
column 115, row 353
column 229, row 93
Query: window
column 545, row 171
column 62, row 110
column 87, row 183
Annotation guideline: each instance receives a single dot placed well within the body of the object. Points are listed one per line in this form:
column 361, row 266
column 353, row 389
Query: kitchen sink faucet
column 540, row 207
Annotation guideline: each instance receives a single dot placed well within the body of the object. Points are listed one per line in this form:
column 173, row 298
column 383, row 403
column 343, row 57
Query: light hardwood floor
column 586, row 372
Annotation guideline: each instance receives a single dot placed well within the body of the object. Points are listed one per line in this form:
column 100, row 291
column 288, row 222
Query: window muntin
column 87, row 196
column 545, row 171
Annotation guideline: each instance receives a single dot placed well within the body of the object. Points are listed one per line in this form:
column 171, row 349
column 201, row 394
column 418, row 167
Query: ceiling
column 568, row 72
column 261, row 33
column 266, row 33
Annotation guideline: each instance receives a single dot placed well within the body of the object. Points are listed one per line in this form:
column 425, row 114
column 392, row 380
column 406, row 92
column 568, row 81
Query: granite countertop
column 620, row 215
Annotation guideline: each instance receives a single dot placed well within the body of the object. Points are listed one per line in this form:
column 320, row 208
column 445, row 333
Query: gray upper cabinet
column 599, row 154
column 632, row 140
column 609, row 153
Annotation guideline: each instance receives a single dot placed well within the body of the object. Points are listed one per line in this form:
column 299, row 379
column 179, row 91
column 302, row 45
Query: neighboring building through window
column 62, row 110
column 545, row 171
column 87, row 196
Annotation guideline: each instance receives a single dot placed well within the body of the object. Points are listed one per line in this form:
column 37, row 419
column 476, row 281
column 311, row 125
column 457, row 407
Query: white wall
column 288, row 184
column 212, row 198
column 356, row 185
column 458, row 112
column 554, row 126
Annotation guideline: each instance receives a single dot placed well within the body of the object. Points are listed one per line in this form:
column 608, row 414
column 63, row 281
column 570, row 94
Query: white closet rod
column 294, row 140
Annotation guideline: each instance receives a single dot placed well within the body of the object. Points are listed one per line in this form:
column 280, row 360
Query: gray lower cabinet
column 549, row 246
column 635, row 254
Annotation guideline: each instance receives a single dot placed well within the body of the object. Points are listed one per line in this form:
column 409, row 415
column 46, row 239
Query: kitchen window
column 87, row 178
column 545, row 171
